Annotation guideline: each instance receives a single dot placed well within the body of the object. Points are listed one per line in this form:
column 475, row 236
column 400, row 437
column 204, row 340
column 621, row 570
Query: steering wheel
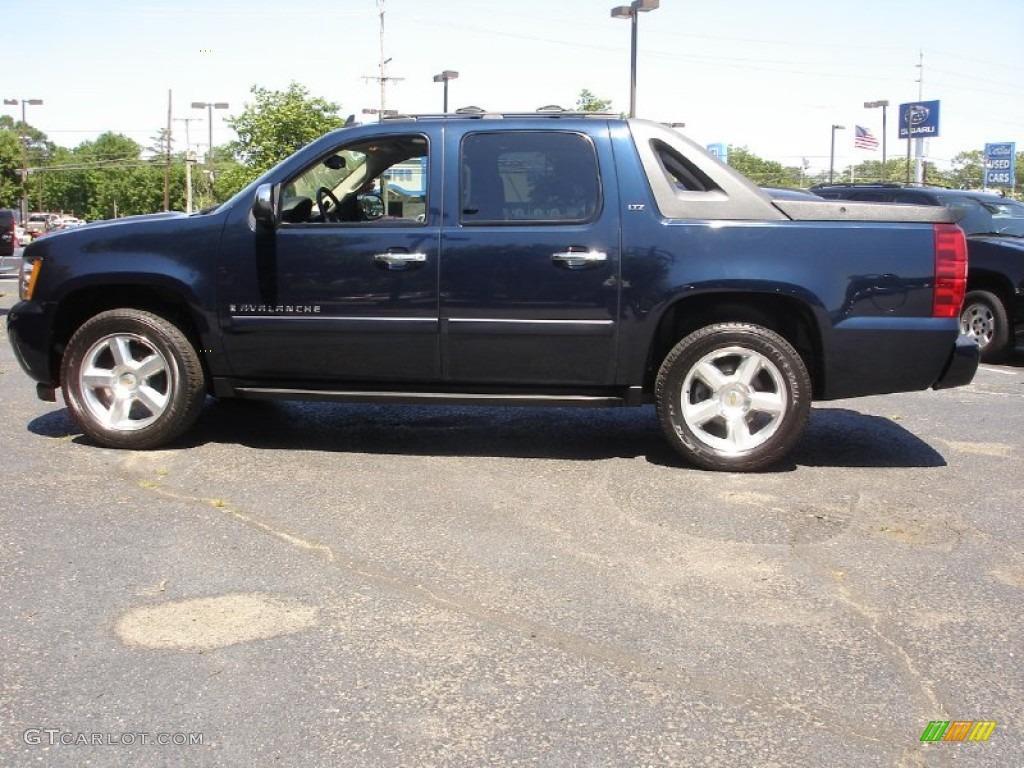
column 322, row 196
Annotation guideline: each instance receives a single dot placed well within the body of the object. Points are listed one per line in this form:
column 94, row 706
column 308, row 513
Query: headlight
column 27, row 276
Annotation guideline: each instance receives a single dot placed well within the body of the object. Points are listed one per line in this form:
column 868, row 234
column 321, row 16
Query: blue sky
column 772, row 76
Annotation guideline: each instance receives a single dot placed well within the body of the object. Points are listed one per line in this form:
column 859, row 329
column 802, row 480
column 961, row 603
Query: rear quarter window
column 681, row 172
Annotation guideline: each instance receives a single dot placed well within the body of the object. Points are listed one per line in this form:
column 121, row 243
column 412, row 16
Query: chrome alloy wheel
column 734, row 399
column 978, row 322
column 126, row 382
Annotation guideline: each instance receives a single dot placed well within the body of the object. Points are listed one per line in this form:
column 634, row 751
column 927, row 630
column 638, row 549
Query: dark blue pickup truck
column 540, row 259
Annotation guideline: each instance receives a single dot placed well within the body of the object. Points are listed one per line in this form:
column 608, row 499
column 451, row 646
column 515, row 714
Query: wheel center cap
column 128, row 381
column 735, row 398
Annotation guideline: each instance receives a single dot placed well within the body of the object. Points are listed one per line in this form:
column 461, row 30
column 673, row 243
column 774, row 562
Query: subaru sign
column 923, row 119
column 1000, row 164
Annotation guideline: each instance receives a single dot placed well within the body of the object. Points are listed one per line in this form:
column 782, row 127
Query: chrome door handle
column 399, row 260
column 578, row 259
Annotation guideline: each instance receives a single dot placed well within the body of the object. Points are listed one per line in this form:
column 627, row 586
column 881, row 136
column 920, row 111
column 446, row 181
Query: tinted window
column 915, row 198
column 983, row 216
column 528, row 177
column 870, row 197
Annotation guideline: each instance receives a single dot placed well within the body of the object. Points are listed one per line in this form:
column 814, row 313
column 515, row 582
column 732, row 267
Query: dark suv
column 7, row 238
column 994, row 305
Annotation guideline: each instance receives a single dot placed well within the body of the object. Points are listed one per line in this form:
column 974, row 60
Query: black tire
column 132, row 379
column 752, row 413
column 984, row 319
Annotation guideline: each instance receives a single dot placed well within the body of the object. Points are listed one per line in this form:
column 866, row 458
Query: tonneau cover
column 845, row 210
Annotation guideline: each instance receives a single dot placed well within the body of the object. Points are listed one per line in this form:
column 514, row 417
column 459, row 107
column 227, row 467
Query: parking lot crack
column 641, row 668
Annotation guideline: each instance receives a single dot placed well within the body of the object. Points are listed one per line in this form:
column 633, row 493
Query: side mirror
column 372, row 206
column 335, row 162
column 266, row 207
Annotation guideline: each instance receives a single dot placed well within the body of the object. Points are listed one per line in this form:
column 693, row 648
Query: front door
column 345, row 289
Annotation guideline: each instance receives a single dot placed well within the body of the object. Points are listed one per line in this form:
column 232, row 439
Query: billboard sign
column 1000, row 164
column 922, row 117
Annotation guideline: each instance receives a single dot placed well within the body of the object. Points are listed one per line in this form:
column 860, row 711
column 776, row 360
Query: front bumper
column 962, row 365
column 29, row 327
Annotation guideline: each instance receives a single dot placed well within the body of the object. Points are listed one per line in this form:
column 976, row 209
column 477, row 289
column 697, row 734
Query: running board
column 432, row 398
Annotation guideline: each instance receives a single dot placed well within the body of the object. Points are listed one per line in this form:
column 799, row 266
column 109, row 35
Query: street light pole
column 631, row 12
column 832, row 153
column 209, row 106
column 883, row 104
column 444, row 77
column 24, row 153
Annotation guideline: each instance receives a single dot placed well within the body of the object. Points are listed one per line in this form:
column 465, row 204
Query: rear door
column 529, row 280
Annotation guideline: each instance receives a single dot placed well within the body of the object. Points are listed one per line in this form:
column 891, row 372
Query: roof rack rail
column 547, row 111
column 892, row 184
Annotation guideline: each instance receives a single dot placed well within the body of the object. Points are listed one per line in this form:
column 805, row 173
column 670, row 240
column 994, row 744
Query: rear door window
column 528, row 177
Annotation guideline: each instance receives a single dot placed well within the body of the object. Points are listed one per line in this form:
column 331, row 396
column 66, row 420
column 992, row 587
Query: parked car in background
column 8, row 234
column 993, row 309
column 41, row 223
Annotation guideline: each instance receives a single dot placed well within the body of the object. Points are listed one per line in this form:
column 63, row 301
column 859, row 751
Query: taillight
column 950, row 270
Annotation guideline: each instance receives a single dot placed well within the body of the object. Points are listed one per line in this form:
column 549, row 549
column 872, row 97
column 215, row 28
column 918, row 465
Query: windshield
column 986, row 216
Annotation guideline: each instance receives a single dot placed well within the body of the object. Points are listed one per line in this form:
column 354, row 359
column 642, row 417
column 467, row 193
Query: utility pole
column 919, row 142
column 186, row 121
column 190, row 160
column 382, row 78
column 167, row 163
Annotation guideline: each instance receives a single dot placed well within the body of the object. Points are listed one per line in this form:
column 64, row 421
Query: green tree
column 22, row 143
column 764, row 173
column 895, row 173
column 274, row 126
column 100, row 179
column 10, row 169
column 967, row 170
column 588, row 102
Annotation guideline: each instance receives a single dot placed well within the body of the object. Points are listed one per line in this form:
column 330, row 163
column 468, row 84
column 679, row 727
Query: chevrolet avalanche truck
column 513, row 259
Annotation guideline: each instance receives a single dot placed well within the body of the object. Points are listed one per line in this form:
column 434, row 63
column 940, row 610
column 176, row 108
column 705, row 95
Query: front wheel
column 132, row 379
column 733, row 397
column 984, row 319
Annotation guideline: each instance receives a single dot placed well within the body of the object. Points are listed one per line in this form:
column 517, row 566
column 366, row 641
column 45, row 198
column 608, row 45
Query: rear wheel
column 733, row 396
column 984, row 319
column 132, row 379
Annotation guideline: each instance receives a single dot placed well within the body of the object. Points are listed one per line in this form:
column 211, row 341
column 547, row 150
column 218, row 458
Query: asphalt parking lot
column 303, row 584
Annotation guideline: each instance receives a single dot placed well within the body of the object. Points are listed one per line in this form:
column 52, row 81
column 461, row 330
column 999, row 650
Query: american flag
column 863, row 138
